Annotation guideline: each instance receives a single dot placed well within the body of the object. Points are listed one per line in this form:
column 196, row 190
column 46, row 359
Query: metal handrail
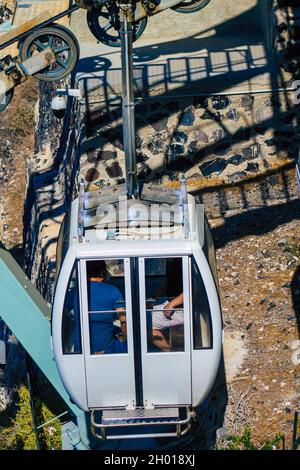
column 107, row 311
column 164, row 309
column 150, row 423
column 81, row 196
column 177, row 433
column 147, row 309
column 53, row 419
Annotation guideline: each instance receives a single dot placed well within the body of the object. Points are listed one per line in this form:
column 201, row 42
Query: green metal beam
column 27, row 315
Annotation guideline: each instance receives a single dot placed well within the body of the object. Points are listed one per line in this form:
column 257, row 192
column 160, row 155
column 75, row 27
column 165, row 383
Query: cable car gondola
column 136, row 319
column 156, row 250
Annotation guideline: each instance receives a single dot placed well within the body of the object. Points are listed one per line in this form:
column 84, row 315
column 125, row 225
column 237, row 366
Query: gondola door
column 106, row 301
column 165, row 330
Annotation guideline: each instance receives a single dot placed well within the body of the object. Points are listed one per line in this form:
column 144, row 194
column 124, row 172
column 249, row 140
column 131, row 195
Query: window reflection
column 164, row 304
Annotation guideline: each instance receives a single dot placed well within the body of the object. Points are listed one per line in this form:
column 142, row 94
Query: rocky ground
column 258, row 258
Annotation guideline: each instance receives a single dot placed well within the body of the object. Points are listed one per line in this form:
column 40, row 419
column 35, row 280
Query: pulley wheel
column 63, row 43
column 104, row 24
column 190, row 6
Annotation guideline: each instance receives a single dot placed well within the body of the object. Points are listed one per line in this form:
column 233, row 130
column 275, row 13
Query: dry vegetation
column 17, row 143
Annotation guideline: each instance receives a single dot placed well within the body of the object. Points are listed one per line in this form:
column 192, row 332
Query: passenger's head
column 96, row 270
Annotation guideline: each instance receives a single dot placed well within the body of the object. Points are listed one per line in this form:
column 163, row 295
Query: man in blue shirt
column 106, row 304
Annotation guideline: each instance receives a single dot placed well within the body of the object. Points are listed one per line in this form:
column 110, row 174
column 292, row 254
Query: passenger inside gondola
column 165, row 312
column 107, row 312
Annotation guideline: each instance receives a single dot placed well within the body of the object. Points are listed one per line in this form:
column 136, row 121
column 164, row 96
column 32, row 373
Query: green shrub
column 52, row 432
column 20, row 435
column 244, row 442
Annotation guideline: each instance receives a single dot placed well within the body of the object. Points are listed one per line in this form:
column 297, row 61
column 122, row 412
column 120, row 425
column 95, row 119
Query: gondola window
column 106, row 306
column 202, row 331
column 164, row 304
column 71, row 334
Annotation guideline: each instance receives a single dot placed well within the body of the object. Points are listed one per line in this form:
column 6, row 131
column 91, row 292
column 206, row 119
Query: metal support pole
column 126, row 32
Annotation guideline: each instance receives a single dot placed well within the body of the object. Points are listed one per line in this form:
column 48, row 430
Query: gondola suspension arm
column 128, row 111
column 16, row 73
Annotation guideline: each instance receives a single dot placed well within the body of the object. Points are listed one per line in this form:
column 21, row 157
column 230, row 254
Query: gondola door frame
column 110, row 378
column 167, row 376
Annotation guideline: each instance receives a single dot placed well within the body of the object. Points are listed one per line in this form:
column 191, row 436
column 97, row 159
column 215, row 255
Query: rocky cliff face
column 16, row 144
column 34, row 174
column 53, row 168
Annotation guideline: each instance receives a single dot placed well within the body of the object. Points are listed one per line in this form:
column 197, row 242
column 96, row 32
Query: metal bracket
column 126, row 9
column 76, row 92
column 81, row 199
column 15, row 74
column 150, row 6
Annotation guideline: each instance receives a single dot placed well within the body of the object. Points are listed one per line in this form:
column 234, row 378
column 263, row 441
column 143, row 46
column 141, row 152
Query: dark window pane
column 164, row 304
column 62, row 243
column 209, row 250
column 71, row 334
column 201, row 311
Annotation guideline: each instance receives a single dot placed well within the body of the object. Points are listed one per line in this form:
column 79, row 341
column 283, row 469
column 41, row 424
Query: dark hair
column 96, row 269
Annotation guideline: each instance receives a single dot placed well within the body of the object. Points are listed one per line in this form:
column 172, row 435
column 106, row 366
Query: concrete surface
column 26, row 10
column 234, row 351
column 225, row 15
column 184, row 66
column 228, row 42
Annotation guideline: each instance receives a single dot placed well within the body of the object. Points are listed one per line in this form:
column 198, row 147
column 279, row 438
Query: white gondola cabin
column 136, row 324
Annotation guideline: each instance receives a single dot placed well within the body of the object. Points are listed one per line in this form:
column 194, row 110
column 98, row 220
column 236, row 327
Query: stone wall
column 213, row 141
column 52, row 169
column 287, row 36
